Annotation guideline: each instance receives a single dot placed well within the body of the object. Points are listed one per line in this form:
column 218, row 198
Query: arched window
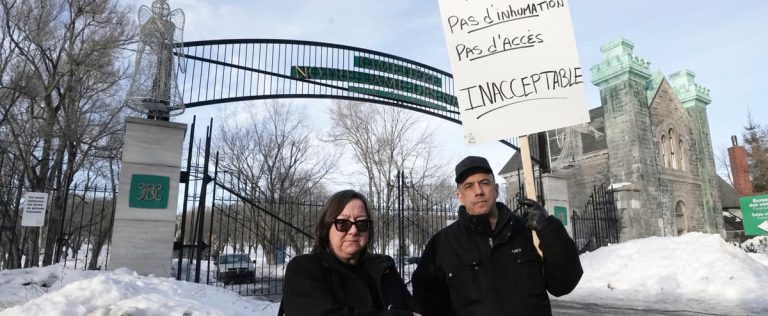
column 672, row 158
column 662, row 147
column 681, row 155
column 681, row 219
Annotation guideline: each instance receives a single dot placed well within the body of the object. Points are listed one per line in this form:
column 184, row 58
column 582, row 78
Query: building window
column 672, row 158
column 663, row 146
column 681, row 155
column 672, row 148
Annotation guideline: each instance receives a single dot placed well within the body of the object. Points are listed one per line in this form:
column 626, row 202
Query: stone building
column 649, row 141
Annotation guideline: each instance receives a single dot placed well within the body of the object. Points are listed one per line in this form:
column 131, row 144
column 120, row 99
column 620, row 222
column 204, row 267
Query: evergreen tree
column 756, row 143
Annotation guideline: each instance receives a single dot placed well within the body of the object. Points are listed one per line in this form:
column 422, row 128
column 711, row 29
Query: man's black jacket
column 469, row 269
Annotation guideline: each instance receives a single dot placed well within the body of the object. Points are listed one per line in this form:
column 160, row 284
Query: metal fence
column 228, row 239
column 223, row 237
column 84, row 213
column 598, row 224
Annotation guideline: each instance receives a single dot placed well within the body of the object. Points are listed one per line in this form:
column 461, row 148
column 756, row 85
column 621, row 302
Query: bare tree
column 274, row 160
column 385, row 141
column 723, row 163
column 63, row 75
column 7, row 96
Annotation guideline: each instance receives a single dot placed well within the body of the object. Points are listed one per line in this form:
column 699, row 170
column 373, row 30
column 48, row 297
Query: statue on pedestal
column 153, row 89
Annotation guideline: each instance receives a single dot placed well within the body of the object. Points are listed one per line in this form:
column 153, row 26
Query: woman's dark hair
column 332, row 208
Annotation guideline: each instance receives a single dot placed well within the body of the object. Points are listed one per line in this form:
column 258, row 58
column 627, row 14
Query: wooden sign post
column 529, row 184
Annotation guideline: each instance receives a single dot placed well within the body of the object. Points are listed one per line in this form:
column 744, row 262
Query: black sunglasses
column 344, row 225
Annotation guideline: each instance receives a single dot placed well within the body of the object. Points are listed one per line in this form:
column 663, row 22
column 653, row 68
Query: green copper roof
column 619, row 63
column 652, row 85
column 688, row 91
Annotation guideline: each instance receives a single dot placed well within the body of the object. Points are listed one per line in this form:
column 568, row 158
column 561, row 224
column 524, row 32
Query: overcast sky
column 722, row 42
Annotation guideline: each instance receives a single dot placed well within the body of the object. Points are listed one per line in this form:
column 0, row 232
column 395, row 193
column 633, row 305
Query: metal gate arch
column 234, row 70
column 274, row 68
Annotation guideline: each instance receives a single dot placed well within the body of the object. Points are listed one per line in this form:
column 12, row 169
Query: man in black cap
column 485, row 263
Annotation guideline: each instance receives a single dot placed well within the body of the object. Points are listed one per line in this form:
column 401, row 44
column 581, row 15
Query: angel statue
column 153, row 89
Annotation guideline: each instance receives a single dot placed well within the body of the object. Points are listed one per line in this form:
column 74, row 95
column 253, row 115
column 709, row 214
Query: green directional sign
column 754, row 210
column 352, row 76
column 149, row 191
column 397, row 81
column 397, row 69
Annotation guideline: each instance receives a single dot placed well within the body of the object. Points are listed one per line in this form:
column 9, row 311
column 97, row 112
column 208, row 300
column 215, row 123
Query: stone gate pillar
column 145, row 214
column 556, row 199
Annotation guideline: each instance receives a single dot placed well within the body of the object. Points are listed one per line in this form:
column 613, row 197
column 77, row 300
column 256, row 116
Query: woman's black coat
column 318, row 284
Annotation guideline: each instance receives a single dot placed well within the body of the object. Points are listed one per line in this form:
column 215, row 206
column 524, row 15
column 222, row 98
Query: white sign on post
column 515, row 67
column 34, row 209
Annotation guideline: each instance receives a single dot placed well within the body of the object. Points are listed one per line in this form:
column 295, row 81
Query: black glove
column 536, row 216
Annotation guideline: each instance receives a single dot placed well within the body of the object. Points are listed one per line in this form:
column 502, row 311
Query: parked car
column 407, row 261
column 412, row 260
column 235, row 268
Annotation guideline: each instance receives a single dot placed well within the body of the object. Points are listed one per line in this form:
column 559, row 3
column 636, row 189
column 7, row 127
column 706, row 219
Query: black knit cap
column 471, row 165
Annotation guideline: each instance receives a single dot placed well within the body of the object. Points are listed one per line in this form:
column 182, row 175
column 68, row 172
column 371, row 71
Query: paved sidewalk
column 571, row 308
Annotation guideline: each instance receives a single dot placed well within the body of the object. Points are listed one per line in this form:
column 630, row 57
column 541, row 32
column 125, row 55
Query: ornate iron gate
column 221, row 222
column 598, row 224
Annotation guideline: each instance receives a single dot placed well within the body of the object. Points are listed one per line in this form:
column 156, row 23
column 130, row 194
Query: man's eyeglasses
column 344, row 225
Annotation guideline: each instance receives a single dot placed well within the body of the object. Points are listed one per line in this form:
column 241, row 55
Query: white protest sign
column 515, row 67
column 34, row 209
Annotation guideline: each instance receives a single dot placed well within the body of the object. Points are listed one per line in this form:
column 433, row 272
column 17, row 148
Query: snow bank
column 696, row 271
column 56, row 290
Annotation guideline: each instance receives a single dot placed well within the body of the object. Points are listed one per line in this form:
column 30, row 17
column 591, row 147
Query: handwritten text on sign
column 515, row 65
column 34, row 209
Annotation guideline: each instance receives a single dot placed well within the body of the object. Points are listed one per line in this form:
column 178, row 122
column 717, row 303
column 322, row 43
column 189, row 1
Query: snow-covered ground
column 694, row 272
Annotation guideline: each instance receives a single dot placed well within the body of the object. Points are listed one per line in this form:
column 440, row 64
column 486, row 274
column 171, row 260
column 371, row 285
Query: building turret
column 695, row 99
column 622, row 78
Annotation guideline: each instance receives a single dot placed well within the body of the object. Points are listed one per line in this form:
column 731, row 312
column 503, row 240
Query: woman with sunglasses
column 340, row 277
